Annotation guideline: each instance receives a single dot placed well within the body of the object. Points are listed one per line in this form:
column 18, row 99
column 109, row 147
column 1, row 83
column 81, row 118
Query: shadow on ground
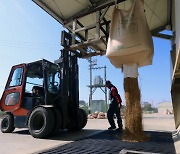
column 65, row 135
column 110, row 142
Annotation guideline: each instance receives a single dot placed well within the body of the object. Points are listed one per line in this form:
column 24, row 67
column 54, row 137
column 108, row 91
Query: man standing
column 114, row 107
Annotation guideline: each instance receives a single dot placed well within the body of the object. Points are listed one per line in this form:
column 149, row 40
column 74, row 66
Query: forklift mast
column 68, row 64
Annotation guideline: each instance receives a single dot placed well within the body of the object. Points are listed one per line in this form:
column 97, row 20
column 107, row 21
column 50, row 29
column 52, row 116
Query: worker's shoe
column 111, row 128
column 119, row 129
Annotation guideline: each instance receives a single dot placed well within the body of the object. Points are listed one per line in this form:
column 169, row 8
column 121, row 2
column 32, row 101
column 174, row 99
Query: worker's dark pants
column 114, row 109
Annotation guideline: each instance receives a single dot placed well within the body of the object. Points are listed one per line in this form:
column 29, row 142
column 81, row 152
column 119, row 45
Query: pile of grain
column 133, row 119
column 97, row 115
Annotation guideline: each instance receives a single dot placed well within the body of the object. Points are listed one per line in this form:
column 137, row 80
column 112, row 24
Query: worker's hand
column 119, row 105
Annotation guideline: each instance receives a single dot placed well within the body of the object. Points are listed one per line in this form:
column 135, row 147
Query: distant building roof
column 164, row 104
column 81, row 102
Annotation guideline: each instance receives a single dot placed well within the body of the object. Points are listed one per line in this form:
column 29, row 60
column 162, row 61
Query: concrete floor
column 21, row 142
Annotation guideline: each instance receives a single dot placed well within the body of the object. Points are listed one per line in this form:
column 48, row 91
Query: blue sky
column 27, row 33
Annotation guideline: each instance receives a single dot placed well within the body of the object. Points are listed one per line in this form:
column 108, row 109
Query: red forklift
column 55, row 106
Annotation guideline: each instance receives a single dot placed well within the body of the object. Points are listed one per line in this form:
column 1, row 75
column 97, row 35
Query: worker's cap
column 108, row 82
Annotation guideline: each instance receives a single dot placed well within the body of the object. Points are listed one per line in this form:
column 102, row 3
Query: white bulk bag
column 130, row 40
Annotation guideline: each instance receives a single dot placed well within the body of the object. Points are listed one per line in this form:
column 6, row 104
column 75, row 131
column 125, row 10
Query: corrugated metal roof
column 64, row 11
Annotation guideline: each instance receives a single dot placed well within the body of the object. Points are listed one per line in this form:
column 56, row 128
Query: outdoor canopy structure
column 88, row 21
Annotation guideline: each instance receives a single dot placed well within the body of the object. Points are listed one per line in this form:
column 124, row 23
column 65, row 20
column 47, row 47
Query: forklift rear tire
column 82, row 117
column 41, row 122
column 7, row 124
column 58, row 120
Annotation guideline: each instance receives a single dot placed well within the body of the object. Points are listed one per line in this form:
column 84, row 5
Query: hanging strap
column 132, row 2
column 115, row 2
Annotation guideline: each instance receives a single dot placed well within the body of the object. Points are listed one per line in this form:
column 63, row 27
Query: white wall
column 177, row 23
column 175, row 91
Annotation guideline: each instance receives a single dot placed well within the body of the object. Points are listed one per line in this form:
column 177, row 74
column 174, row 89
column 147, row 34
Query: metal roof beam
column 169, row 11
column 156, row 33
column 46, row 8
column 159, row 29
column 164, row 36
column 91, row 2
column 92, row 10
column 103, row 14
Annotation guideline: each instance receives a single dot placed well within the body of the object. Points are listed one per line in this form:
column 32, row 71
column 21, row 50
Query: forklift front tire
column 7, row 124
column 41, row 122
column 58, row 121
